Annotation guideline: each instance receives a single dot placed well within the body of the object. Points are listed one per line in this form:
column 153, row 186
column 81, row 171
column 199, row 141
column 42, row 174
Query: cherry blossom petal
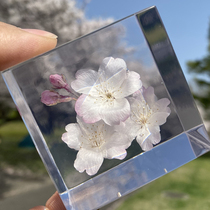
column 154, row 138
column 137, row 105
column 154, row 128
column 116, row 152
column 119, row 112
column 72, row 136
column 149, row 96
column 146, row 145
column 127, row 130
column 116, row 80
column 85, row 79
column 118, row 139
column 112, row 72
column 88, row 160
column 49, row 97
column 138, row 108
column 161, row 105
column 86, row 108
column 88, row 128
column 111, row 66
column 130, row 85
column 142, row 135
column 158, row 118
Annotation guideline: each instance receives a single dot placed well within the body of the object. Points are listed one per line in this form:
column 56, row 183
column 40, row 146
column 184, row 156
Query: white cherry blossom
column 104, row 92
column 147, row 114
column 94, row 142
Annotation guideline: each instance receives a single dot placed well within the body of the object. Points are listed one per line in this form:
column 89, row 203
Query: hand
column 54, row 203
column 18, row 45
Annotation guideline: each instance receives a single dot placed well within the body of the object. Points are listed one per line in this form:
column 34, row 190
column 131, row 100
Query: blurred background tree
column 201, row 69
column 65, row 18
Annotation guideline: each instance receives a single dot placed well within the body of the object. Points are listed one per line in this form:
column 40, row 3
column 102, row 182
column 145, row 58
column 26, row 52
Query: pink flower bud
column 59, row 81
column 50, row 98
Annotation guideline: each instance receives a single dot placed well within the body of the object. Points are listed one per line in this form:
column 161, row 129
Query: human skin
column 18, row 45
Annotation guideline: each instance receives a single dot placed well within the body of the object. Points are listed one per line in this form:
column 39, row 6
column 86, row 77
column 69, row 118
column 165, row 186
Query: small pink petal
column 50, row 98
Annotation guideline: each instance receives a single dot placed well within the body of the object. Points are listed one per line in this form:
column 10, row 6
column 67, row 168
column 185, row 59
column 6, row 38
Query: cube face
column 141, row 41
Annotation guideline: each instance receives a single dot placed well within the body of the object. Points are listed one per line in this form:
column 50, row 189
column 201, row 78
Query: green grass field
column 186, row 188
column 11, row 154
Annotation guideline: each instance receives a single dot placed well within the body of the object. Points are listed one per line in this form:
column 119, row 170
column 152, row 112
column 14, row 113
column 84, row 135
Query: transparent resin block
column 130, row 114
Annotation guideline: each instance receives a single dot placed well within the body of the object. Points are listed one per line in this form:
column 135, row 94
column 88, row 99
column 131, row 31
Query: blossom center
column 96, row 139
column 105, row 94
column 109, row 95
column 143, row 120
column 106, row 91
column 142, row 114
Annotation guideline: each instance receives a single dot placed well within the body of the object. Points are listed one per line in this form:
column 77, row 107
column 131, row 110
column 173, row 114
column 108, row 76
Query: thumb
column 55, row 202
column 18, row 45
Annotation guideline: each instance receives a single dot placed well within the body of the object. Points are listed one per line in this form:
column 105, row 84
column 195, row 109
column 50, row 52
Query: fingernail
column 41, row 33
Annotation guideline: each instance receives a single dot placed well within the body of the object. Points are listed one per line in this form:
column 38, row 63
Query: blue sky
column 186, row 22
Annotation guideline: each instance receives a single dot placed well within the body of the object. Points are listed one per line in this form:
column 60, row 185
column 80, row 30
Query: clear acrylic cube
column 140, row 42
